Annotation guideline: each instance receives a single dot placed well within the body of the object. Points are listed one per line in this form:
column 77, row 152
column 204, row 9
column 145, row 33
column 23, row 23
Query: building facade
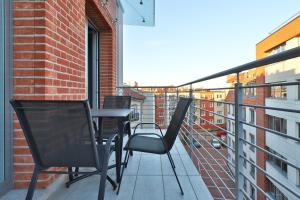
column 286, row 37
column 251, row 96
column 209, row 110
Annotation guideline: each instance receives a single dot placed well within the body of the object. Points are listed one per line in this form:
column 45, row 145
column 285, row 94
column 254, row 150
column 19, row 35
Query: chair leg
column 124, row 166
column 129, row 135
column 32, row 183
column 170, row 158
column 117, row 158
column 113, row 184
column 71, row 177
column 76, row 170
column 126, row 160
column 103, row 178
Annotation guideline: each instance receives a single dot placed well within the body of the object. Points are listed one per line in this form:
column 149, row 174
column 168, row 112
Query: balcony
column 206, row 171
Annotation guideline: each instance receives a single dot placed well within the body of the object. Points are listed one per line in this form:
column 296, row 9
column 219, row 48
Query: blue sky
column 196, row 38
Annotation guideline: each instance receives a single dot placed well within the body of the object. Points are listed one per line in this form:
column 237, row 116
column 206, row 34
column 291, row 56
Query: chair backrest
column 117, row 102
column 176, row 121
column 114, row 102
column 59, row 133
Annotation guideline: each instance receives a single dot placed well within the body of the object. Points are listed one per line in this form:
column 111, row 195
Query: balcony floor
column 147, row 176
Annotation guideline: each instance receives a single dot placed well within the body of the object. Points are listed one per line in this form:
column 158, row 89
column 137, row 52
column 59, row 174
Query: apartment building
column 285, row 37
column 252, row 96
column 137, row 101
column 209, row 110
column 160, row 109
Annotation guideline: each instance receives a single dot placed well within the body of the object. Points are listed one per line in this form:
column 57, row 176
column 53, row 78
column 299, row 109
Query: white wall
column 285, row 71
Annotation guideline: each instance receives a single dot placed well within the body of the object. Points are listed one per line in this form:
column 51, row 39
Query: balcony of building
column 219, row 153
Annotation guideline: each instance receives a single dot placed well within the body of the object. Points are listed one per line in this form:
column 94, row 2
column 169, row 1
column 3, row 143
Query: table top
column 116, row 113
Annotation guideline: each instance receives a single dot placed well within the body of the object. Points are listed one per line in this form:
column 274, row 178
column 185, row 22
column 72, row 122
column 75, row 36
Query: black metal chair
column 160, row 144
column 110, row 126
column 61, row 134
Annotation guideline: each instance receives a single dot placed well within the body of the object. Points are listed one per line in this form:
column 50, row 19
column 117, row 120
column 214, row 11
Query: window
column 161, row 123
column 161, row 114
column 233, row 127
column 219, row 112
column 211, row 114
column 279, row 163
column 279, row 49
column 228, row 108
column 219, row 104
column 203, row 105
column 202, row 121
column 211, row 121
column 278, row 92
column 277, row 124
column 219, row 121
column 252, row 116
column 243, row 114
column 211, row 104
column 250, row 92
column 252, row 140
column 298, row 90
column 244, row 135
column 244, row 160
column 202, row 113
column 161, row 105
column 298, row 181
column 5, row 59
column 233, row 144
column 245, row 185
column 252, row 192
column 229, row 141
column 298, row 128
column 277, row 194
column 252, row 169
column 93, row 66
column 228, row 126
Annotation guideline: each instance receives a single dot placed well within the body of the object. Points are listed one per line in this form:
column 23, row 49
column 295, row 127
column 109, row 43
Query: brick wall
column 49, row 60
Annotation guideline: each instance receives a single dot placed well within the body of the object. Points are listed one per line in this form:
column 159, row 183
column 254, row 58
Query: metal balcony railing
column 238, row 168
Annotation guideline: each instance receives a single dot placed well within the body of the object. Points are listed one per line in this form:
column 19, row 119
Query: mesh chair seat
column 146, row 144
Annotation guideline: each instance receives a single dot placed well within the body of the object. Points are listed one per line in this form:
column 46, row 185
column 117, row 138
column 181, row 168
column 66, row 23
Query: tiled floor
column 147, row 177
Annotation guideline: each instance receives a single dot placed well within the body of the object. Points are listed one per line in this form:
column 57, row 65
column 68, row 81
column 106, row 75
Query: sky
column 192, row 39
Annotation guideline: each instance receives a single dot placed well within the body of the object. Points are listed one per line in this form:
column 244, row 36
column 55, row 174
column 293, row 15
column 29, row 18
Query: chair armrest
column 148, row 123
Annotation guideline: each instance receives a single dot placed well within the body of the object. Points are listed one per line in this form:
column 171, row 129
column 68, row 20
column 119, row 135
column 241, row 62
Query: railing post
column 165, row 108
column 177, row 95
column 238, row 91
column 191, row 114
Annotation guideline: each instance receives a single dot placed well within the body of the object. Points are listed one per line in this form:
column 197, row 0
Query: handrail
column 285, row 55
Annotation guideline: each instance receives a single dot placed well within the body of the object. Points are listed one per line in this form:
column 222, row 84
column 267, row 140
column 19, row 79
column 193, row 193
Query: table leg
column 119, row 148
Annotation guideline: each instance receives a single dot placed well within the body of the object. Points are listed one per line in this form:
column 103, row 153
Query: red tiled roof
column 135, row 94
